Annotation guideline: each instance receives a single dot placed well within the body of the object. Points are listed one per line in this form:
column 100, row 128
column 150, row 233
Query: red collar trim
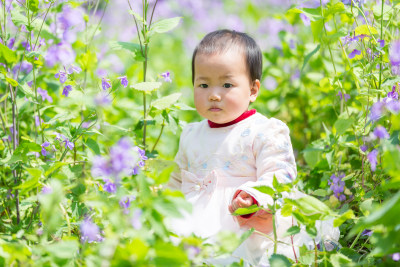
column 245, row 115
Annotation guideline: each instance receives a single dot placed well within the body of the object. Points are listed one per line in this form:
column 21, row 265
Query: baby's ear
column 255, row 88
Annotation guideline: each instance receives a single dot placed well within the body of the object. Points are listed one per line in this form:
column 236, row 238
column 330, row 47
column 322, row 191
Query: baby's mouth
column 214, row 109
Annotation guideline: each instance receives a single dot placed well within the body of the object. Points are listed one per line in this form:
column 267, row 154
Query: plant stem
column 274, row 228
column 315, row 254
column 355, row 240
column 159, row 136
column 380, row 63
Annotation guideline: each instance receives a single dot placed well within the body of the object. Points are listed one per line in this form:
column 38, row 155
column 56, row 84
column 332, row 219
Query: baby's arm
column 274, row 156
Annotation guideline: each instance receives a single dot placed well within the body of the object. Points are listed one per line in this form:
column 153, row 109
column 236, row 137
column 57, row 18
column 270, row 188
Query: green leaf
column 265, row 189
column 24, row 88
column 310, row 205
column 64, row 249
column 344, row 217
column 339, row 260
column 90, row 143
column 33, row 5
column 169, row 255
column 378, row 11
column 292, row 231
column 164, row 25
column 146, row 86
column 317, row 28
column 307, row 58
column 33, row 54
column 7, row 54
column 341, row 125
column 333, row 9
column 124, row 45
column 312, row 156
column 278, row 260
column 12, row 82
column 182, row 106
column 166, row 101
column 387, row 214
column 365, row 29
column 245, row 211
column 311, row 230
column 137, row 16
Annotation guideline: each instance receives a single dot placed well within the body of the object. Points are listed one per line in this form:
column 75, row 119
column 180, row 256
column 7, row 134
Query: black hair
column 220, row 40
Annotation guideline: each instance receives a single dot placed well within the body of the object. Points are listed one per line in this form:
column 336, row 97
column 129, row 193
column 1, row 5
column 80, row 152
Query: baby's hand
column 242, row 200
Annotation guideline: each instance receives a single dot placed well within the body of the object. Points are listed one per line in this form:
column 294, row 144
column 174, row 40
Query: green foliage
column 314, row 74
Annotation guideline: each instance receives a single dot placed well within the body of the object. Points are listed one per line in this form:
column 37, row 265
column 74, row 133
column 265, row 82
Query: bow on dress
column 195, row 187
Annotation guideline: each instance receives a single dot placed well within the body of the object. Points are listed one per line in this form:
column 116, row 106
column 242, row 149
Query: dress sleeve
column 273, row 153
column 175, row 180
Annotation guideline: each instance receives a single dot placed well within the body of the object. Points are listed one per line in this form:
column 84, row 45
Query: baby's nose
column 214, row 96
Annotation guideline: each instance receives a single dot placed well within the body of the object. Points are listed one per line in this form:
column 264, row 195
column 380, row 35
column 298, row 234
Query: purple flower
column 135, row 221
column 135, row 170
column 69, row 144
column 44, row 94
column 11, row 42
column 393, row 106
column 61, row 52
column 124, row 81
column 381, row 133
column 102, row 99
column 394, row 53
column 192, row 251
column 337, row 186
column 90, row 231
column 66, row 90
column 396, row 256
column 381, row 42
column 122, row 160
column 105, row 83
column 26, row 45
column 63, row 76
column 346, row 96
column 166, row 76
column 363, row 148
column 367, row 232
column 73, row 68
column 377, row 110
column 60, row 136
column 354, row 53
column 109, row 186
column 37, row 121
column 305, row 19
column 44, row 145
column 101, row 167
column 372, row 159
column 125, row 202
column 270, row 83
column 393, row 94
column 46, row 190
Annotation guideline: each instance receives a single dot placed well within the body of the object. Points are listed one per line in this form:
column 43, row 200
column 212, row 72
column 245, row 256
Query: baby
column 223, row 157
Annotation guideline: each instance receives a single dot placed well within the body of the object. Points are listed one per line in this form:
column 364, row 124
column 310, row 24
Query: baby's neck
column 245, row 115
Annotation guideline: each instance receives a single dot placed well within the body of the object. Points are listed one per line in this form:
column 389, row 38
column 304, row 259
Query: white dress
column 217, row 162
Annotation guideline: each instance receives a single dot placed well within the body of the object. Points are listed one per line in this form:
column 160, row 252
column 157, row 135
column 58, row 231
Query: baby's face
column 222, row 86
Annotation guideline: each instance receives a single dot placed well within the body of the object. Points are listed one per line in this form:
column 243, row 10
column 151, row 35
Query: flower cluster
column 390, row 103
column 337, row 186
column 394, row 56
column 124, row 159
column 68, row 143
column 90, row 232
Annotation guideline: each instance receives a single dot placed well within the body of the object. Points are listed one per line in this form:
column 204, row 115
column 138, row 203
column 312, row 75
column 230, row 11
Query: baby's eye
column 203, row 85
column 227, row 85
